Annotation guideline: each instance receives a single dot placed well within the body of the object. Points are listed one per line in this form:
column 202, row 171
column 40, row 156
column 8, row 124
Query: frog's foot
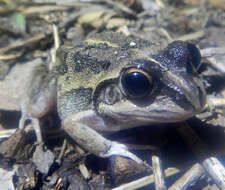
column 35, row 125
column 121, row 150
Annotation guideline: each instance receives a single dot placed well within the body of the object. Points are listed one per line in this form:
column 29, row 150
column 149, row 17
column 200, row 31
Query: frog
column 112, row 82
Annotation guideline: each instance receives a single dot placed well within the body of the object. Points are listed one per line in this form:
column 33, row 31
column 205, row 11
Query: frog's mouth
column 160, row 111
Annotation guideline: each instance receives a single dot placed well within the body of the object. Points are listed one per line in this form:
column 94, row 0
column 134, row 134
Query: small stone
column 43, row 159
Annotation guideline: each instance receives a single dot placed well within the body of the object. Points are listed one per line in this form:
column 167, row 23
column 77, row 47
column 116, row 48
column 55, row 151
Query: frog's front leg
column 94, row 142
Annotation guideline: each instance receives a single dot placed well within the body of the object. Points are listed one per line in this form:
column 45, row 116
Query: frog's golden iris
column 136, row 83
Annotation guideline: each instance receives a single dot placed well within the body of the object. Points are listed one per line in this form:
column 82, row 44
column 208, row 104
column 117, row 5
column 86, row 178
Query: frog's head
column 162, row 88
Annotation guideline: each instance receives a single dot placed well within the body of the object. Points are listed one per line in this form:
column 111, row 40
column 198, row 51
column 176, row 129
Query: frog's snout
column 195, row 94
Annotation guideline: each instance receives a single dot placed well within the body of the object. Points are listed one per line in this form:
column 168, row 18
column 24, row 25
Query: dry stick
column 120, row 7
column 11, row 56
column 63, row 149
column 211, row 165
column 216, row 64
column 216, row 102
column 56, row 46
column 44, row 9
column 190, row 177
column 19, row 44
column 145, row 180
column 84, row 171
column 212, row 51
column 216, row 170
column 191, row 36
column 158, row 173
column 6, row 133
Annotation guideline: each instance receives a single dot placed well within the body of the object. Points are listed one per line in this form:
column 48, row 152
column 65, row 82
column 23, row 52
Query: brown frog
column 111, row 82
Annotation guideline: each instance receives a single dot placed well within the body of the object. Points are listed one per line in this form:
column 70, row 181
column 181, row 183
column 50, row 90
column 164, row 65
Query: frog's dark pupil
column 136, row 84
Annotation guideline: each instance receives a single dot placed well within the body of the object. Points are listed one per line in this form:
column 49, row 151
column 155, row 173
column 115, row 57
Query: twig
column 11, row 56
column 120, row 7
column 216, row 170
column 216, row 102
column 189, row 178
column 6, row 133
column 59, row 159
column 56, row 46
column 209, row 52
column 145, row 180
column 19, row 44
column 216, row 64
column 191, row 36
column 212, row 165
column 158, row 173
column 56, row 36
column 84, row 171
column 44, row 9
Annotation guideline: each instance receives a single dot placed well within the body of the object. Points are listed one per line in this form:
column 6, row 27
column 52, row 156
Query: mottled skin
column 97, row 60
column 91, row 101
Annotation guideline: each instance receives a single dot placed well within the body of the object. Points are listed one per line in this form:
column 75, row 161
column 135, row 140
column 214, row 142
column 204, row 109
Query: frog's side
column 100, row 88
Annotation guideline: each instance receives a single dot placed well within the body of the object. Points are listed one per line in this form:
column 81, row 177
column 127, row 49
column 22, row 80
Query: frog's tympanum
column 111, row 82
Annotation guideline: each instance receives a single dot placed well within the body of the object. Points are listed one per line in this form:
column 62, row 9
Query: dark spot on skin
column 74, row 101
column 86, row 61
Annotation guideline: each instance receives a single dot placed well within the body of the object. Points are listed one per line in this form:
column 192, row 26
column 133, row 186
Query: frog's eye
column 136, row 83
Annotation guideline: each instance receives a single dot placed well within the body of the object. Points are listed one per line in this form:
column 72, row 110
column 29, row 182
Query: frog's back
column 83, row 67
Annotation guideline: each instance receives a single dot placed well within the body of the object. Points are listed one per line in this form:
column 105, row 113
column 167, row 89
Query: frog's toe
column 121, row 150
